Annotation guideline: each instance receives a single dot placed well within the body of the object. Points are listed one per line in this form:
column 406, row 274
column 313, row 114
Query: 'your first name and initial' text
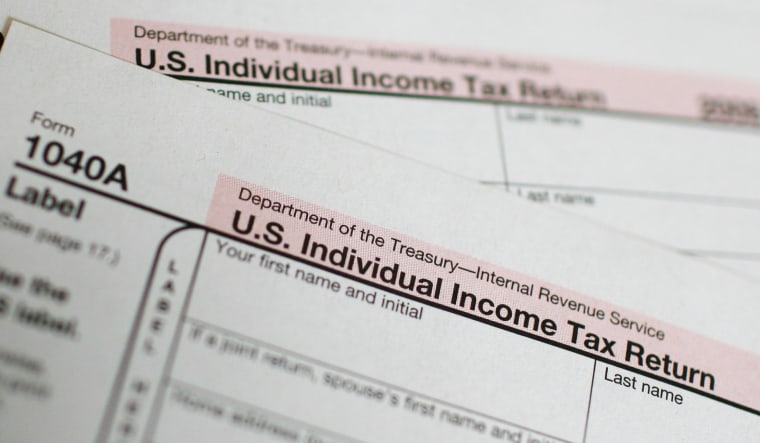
column 392, row 275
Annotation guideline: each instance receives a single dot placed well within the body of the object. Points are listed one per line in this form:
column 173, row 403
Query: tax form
column 660, row 154
column 176, row 267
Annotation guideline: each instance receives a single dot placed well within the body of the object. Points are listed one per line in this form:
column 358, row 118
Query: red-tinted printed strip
column 485, row 292
column 274, row 59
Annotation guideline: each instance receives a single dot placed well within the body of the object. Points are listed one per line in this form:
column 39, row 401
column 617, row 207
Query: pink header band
column 478, row 290
column 270, row 59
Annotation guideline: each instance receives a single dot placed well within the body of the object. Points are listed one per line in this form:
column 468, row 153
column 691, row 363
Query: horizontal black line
column 390, row 290
column 662, row 195
column 229, row 399
column 358, row 375
column 617, row 113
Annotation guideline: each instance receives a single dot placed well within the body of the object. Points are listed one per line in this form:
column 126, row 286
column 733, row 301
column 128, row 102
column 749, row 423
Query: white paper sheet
column 650, row 158
column 176, row 267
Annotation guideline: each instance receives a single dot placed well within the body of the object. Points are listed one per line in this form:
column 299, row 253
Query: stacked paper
column 335, row 239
